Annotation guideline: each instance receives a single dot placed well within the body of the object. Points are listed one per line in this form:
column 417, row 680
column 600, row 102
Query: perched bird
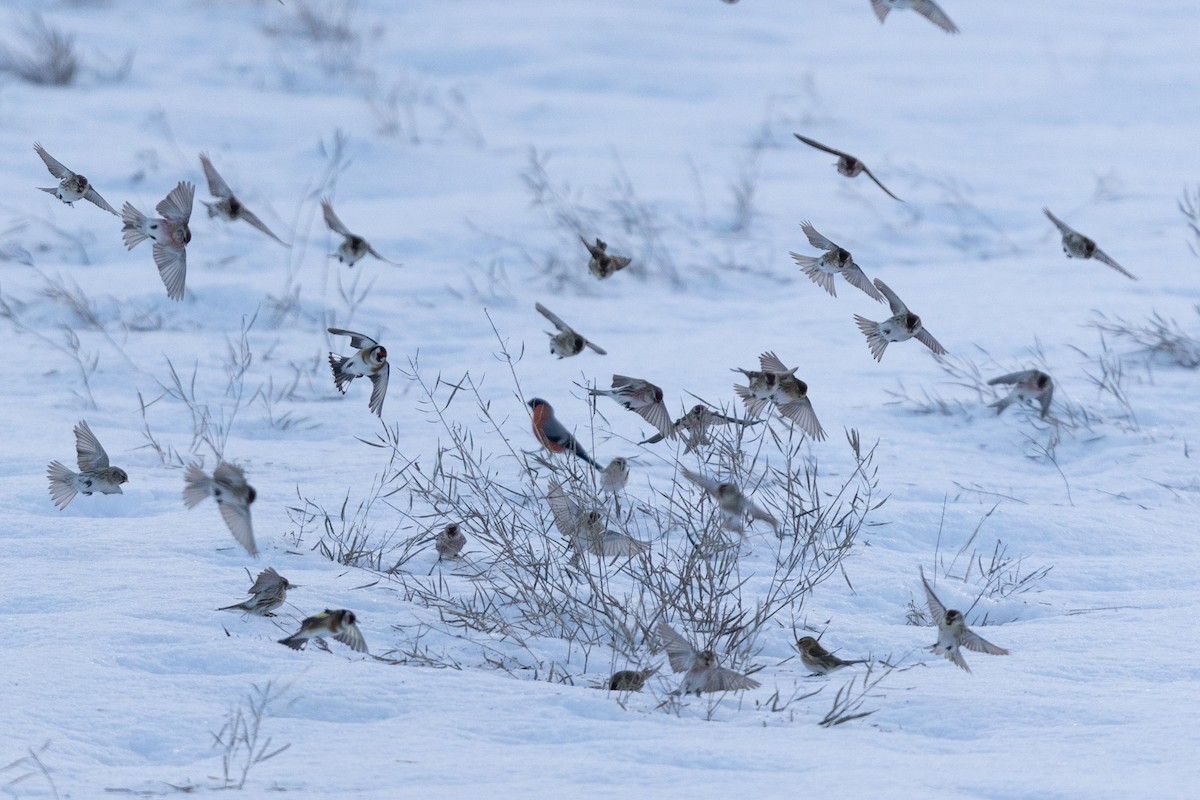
column 95, row 473
column 630, row 680
column 585, row 530
column 228, row 207
column 836, row 261
column 72, row 186
column 354, row 247
column 170, row 235
column 450, row 541
column 370, row 360
column 1029, row 384
column 953, row 633
column 1076, row 245
column 693, row 426
column 552, row 435
column 847, row 164
column 703, row 674
column 734, row 505
column 901, row 326
column 926, row 8
column 820, row 660
column 233, row 495
column 778, row 385
column 615, row 475
column 267, row 594
column 641, row 397
column 602, row 265
column 342, row 625
column 567, row 342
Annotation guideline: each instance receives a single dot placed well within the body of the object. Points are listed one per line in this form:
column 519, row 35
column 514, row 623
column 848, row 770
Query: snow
column 640, row 121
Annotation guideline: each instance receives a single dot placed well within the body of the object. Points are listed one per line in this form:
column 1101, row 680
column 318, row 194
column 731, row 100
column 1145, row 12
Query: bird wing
column 566, row 511
column 875, row 340
column 973, row 641
column 237, row 517
column 1103, row 257
column 720, row 679
column 253, row 219
column 894, row 302
column 769, row 362
column 172, row 268
column 196, row 485
column 816, row 239
column 358, row 341
column 595, row 347
column 756, row 512
column 177, row 206
column 1063, row 227
column 680, row 652
column 352, row 638
column 618, row 545
column 936, row 609
column 801, row 412
column 955, row 654
column 754, row 405
column 881, row 9
column 1046, row 398
column 379, row 383
column 375, row 253
column 1023, row 376
column 819, row 146
column 878, row 183
column 658, row 416
column 88, row 451
column 92, row 196
column 217, row 186
column 933, row 12
column 859, row 280
column 817, row 275
column 331, row 219
column 267, row 580
column 707, row 484
column 926, row 338
column 555, row 320
column 53, row 164
column 231, row 475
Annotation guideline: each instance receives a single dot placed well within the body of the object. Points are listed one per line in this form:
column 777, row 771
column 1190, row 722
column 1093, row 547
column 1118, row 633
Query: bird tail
column 196, row 485
column 62, row 484
column 294, row 642
column 340, row 379
column 234, row 607
column 134, row 220
column 1001, row 404
column 874, row 340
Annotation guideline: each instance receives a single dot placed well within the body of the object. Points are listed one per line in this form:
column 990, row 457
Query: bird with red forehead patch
column 553, row 436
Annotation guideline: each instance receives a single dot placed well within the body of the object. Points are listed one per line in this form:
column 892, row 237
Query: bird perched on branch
column 552, row 435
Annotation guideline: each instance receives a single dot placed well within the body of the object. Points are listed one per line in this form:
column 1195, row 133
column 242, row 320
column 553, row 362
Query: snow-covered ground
column 473, row 141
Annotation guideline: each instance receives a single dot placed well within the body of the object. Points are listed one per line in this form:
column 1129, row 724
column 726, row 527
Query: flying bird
column 72, row 186
column 567, row 342
column 1027, row 385
column 228, row 207
column 641, row 397
column 734, row 505
column 342, row 625
column 901, row 326
column 1076, row 245
column 170, row 235
column 615, row 475
column 835, row 261
column 953, row 633
column 602, row 265
column 703, row 672
column 370, row 360
column 926, row 8
column 585, row 530
column 694, row 425
column 228, row 487
column 847, row 164
column 353, row 246
column 95, row 473
column 776, row 384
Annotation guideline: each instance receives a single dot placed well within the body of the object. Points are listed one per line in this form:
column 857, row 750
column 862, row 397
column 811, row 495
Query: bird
column 820, row 660
column 1028, row 384
column 567, row 342
column 354, row 247
column 71, row 186
column 268, row 593
column 703, row 673
column 734, row 505
column 602, row 265
column 630, row 680
column 341, row 624
column 95, row 473
column 953, row 634
column 643, row 398
column 1076, row 245
column 835, row 261
column 926, row 8
column 228, row 487
column 585, row 530
column 170, row 235
column 847, row 164
column 901, row 326
column 552, row 435
column 228, row 207
column 693, row 426
column 370, row 360
column 780, row 387
column 450, row 541
column 615, row 475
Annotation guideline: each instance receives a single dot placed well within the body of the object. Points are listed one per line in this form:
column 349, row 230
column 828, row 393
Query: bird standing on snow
column 268, row 593
column 630, row 680
column 170, row 235
column 95, row 473
column 450, row 541
column 72, row 186
column 233, row 495
column 820, row 660
column 901, row 326
column 370, row 360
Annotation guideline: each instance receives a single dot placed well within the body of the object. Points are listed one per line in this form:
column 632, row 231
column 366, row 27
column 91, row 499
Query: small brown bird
column 1027, row 385
column 953, row 633
column 1076, row 245
column 641, row 397
column 703, row 673
column 95, row 473
column 602, row 265
column 615, row 475
column 269, row 591
column 835, row 261
column 233, row 495
column 693, row 426
column 450, row 541
column 630, row 680
column 734, row 505
column 353, row 246
column 72, row 186
column 926, row 8
column 228, row 207
column 901, row 326
column 820, row 660
column 778, row 385
column 370, row 360
column 170, row 235
column 847, row 164
column 567, row 342
column 342, row 625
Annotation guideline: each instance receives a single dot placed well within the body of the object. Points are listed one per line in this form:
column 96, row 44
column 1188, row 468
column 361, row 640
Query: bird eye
column 252, row 495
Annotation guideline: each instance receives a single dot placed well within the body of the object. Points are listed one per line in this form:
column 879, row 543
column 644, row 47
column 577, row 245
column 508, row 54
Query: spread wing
column 680, row 652
column 217, row 186
column 859, row 280
column 896, row 304
column 352, row 638
column 253, row 219
column 769, row 362
column 658, row 416
column 555, row 320
column 1063, row 227
column 1024, row 376
column 231, row 475
column 595, row 347
column 932, row 12
column 801, row 412
column 819, row 146
column 172, row 268
column 53, row 164
column 267, row 580
column 878, row 183
column 818, row 276
column 816, row 239
column 707, row 484
column 90, row 454
column 720, row 679
column 331, row 219
column 1104, row 258
column 926, row 338
column 92, row 196
column 177, row 206
column 237, row 517
column 973, row 641
column 358, row 341
column 754, row 405
column 379, row 383
column 936, row 610
column 881, row 9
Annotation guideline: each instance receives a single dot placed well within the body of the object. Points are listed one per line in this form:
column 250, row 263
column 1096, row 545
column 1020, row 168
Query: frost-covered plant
column 241, row 740
column 51, row 59
column 1157, row 337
